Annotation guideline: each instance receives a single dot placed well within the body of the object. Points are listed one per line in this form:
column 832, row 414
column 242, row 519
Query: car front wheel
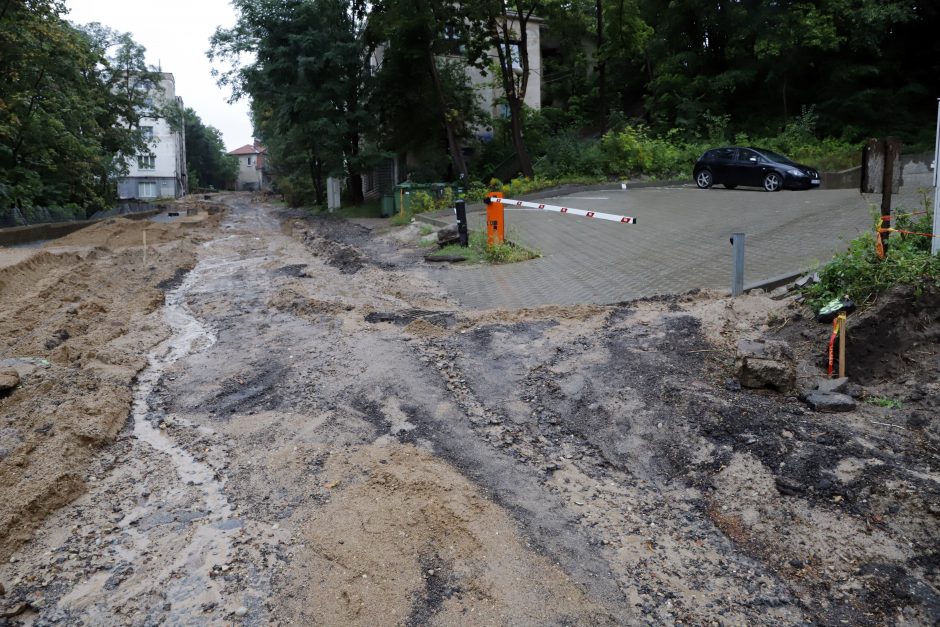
column 704, row 179
column 773, row 182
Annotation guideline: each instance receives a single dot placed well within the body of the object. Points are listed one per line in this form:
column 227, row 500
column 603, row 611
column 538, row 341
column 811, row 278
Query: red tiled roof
column 248, row 149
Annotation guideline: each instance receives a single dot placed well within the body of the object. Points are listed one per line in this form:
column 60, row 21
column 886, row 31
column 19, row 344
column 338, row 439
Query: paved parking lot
column 681, row 242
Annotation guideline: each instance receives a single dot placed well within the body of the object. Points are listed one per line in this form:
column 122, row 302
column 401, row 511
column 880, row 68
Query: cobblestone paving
column 681, row 242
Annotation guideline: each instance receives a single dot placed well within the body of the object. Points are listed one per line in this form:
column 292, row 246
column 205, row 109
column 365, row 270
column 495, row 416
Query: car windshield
column 775, row 157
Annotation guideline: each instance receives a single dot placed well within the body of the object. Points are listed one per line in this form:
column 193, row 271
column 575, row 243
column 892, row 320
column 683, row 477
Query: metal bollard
column 461, row 207
column 737, row 276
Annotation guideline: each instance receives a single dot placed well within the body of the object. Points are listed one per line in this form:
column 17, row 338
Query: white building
column 252, row 169
column 489, row 88
column 160, row 172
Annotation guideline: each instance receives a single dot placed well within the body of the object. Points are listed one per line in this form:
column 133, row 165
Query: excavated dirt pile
column 324, row 436
column 75, row 325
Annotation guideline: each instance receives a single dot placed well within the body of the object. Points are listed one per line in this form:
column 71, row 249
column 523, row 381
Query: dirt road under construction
column 279, row 419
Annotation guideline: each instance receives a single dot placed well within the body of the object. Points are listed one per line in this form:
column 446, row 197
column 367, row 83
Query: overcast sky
column 176, row 35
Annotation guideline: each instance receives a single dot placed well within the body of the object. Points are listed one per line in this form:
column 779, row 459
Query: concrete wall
column 19, row 235
column 844, row 179
column 916, row 177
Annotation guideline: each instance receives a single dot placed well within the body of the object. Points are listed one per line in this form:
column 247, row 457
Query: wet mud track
column 327, row 438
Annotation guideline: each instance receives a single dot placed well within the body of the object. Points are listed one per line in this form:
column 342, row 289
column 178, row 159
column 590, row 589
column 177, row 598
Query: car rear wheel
column 730, row 186
column 704, row 179
column 773, row 182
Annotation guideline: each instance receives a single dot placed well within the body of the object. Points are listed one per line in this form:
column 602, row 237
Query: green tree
column 502, row 26
column 206, row 159
column 421, row 56
column 63, row 127
column 309, row 83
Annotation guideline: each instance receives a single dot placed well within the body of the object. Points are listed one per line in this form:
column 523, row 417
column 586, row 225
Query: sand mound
column 122, row 233
column 75, row 326
column 405, row 538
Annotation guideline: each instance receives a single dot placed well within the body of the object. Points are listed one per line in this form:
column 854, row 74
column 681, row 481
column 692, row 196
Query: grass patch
column 884, row 401
column 478, row 252
column 368, row 209
column 402, row 218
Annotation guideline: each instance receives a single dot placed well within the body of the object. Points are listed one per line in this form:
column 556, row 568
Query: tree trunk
column 601, row 65
column 316, row 176
column 354, row 188
column 453, row 146
column 518, row 141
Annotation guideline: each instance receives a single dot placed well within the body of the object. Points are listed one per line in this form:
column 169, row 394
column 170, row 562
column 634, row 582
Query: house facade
column 160, row 171
column 252, row 167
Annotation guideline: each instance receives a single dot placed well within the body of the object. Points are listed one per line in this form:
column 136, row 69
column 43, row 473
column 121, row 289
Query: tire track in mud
column 557, row 460
column 187, row 579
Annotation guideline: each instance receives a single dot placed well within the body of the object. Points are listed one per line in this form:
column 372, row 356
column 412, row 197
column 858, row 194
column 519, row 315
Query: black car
column 752, row 167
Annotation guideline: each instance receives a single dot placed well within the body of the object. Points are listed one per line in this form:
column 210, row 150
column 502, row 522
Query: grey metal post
column 935, row 245
column 461, row 208
column 737, row 276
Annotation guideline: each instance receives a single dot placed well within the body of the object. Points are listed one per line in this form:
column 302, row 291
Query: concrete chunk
column 832, row 385
column 830, row 402
column 765, row 363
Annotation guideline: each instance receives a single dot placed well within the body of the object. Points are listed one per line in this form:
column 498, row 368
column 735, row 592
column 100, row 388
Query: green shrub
column 635, row 151
column 859, row 273
column 421, row 202
column 446, row 199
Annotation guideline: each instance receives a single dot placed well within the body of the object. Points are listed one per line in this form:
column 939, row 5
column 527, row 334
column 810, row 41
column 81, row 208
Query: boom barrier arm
column 507, row 202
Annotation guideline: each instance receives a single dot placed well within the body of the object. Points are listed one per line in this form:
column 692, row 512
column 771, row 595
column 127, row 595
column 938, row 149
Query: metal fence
column 39, row 215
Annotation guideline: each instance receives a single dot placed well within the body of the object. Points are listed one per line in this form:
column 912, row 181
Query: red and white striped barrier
column 507, row 202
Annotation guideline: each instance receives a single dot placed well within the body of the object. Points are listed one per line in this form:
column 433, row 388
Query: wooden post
column 892, row 150
column 842, row 318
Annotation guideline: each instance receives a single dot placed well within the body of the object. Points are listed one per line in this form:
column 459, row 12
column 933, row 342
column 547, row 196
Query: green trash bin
column 388, row 206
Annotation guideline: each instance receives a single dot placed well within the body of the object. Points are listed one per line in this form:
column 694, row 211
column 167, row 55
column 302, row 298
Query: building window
column 515, row 56
column 146, row 162
column 147, row 190
column 147, row 133
column 250, row 162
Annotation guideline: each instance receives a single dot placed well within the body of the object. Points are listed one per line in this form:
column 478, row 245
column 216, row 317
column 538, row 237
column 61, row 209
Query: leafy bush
column 421, row 202
column 297, row 190
column 567, row 155
column 632, row 149
column 859, row 273
column 635, row 151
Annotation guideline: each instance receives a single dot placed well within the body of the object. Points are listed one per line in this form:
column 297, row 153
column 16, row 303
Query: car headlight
column 795, row 172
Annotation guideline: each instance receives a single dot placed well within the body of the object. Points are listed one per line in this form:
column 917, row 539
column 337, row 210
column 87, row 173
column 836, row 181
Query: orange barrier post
column 842, row 344
column 495, row 223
